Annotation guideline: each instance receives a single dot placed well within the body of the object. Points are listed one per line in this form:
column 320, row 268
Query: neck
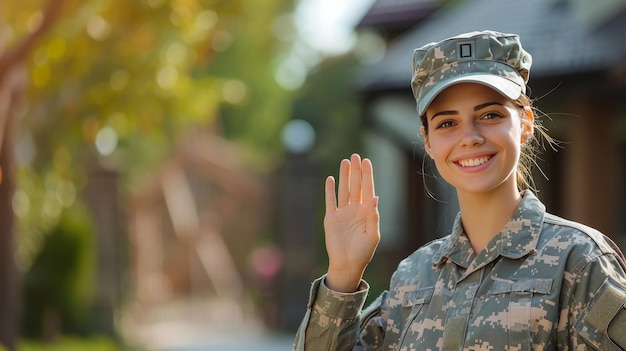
column 485, row 214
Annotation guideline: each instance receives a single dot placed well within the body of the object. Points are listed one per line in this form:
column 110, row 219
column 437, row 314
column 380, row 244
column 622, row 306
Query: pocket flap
column 418, row 297
column 537, row 286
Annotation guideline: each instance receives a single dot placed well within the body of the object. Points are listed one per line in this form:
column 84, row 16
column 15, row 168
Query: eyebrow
column 476, row 108
column 482, row 106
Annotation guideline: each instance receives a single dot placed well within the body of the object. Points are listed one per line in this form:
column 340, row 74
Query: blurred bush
column 58, row 286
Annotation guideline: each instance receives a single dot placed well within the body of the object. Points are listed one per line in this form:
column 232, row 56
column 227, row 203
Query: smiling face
column 474, row 136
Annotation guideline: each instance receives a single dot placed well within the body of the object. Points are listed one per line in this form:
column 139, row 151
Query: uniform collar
column 517, row 239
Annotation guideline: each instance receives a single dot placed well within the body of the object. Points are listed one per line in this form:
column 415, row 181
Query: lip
column 486, row 160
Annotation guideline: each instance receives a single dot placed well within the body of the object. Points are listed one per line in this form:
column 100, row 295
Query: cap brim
column 500, row 84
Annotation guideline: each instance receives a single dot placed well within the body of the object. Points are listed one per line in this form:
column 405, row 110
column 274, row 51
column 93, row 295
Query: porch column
column 589, row 179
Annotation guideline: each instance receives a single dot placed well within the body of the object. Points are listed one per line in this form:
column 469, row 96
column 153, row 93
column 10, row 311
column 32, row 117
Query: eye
column 445, row 124
column 490, row 115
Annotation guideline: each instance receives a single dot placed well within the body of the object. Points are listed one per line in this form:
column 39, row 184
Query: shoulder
column 420, row 260
column 589, row 257
column 583, row 241
column 426, row 252
column 594, row 279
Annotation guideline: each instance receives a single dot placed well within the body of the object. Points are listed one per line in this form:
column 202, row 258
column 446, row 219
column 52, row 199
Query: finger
column 331, row 198
column 373, row 220
column 368, row 180
column 343, row 191
column 355, row 179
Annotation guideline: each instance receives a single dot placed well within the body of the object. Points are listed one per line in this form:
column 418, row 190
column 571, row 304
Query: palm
column 348, row 240
column 351, row 221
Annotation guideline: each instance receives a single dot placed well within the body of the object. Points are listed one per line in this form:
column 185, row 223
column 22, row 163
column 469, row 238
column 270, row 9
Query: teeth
column 474, row 161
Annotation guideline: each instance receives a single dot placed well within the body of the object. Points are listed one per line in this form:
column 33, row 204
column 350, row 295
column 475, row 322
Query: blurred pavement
column 238, row 343
column 218, row 328
column 181, row 336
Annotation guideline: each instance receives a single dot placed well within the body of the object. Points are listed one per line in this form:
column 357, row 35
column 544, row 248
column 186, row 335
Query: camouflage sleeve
column 332, row 319
column 597, row 307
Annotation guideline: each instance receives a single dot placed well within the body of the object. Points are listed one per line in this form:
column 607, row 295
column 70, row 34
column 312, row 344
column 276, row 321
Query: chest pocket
column 509, row 309
column 417, row 297
column 412, row 304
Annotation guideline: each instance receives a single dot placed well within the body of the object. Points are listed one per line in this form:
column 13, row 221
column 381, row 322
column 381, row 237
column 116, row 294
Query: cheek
column 513, row 131
column 514, row 143
column 437, row 149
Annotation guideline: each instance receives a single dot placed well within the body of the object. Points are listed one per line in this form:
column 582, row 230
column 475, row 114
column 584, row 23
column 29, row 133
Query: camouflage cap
column 494, row 59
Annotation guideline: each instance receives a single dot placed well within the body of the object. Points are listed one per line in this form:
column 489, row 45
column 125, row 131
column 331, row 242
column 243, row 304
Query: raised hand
column 350, row 224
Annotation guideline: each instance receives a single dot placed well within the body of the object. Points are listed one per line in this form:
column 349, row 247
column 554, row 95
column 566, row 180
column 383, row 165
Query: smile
column 473, row 162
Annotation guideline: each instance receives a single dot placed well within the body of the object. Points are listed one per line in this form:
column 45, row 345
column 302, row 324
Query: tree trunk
column 13, row 80
column 11, row 93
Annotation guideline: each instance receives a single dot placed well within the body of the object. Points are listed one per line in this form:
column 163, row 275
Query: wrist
column 343, row 281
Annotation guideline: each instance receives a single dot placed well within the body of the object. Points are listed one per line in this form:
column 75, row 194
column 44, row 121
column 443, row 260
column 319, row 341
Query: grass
column 68, row 343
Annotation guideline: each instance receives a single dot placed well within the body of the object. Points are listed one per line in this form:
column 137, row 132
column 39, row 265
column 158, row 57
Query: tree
column 12, row 89
column 117, row 82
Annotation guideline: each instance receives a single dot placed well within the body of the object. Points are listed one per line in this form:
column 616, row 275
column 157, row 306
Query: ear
column 528, row 124
column 426, row 141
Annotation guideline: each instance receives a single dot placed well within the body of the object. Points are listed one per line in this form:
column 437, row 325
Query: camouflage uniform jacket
column 543, row 283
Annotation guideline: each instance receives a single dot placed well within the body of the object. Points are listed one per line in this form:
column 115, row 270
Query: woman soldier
column 510, row 276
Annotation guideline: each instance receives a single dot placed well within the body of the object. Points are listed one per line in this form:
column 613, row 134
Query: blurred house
column 194, row 225
column 578, row 77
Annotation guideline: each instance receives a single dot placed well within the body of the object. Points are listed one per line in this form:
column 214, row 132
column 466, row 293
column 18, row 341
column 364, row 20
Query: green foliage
column 257, row 118
column 120, row 82
column 128, row 66
column 58, row 287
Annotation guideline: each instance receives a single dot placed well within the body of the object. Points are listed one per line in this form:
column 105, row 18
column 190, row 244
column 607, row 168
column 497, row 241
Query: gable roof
column 394, row 12
column 549, row 29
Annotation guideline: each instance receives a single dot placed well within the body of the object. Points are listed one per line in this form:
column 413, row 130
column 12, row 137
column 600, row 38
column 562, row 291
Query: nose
column 471, row 136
